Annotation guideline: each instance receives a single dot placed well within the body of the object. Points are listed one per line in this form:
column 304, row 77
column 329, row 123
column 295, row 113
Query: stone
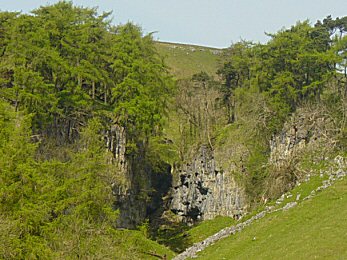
column 203, row 190
column 139, row 188
column 289, row 205
column 306, row 128
column 298, row 197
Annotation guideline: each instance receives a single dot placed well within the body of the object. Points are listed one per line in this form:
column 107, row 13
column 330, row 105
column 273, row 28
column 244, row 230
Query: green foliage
column 63, row 62
column 161, row 150
column 67, row 74
column 144, row 228
column 295, row 67
column 196, row 114
column 257, row 172
column 236, row 72
column 63, row 65
column 141, row 95
column 291, row 68
column 52, row 209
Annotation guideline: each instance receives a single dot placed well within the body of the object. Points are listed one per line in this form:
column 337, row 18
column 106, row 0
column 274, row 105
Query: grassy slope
column 134, row 245
column 315, row 229
column 186, row 60
column 209, row 227
column 184, row 236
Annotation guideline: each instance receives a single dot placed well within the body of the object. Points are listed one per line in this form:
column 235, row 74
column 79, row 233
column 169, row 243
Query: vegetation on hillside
column 67, row 75
column 261, row 86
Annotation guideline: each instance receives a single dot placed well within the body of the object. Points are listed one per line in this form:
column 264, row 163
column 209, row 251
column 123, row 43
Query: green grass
column 186, row 60
column 304, row 190
column 183, row 236
column 315, row 229
column 209, row 227
column 133, row 244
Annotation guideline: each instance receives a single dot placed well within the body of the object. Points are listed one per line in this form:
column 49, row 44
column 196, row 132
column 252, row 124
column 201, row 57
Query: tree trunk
column 93, row 90
column 105, row 94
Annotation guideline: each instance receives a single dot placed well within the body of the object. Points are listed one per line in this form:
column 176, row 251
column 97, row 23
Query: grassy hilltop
column 185, row 60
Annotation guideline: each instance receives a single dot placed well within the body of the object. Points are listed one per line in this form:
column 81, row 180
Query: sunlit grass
column 186, row 60
column 315, row 229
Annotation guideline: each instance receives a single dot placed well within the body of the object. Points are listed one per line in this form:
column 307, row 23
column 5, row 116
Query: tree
column 142, row 83
column 62, row 63
column 295, row 67
column 236, row 73
column 41, row 202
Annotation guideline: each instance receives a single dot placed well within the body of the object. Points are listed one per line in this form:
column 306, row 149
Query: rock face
column 132, row 210
column 307, row 138
column 142, row 197
column 116, row 143
column 305, row 128
column 138, row 188
column 203, row 191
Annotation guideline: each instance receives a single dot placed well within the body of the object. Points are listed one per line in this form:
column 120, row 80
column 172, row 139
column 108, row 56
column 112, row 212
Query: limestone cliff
column 307, row 139
column 308, row 128
column 139, row 187
column 201, row 190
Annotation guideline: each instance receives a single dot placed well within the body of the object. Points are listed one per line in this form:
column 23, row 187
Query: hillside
column 315, row 229
column 185, row 60
column 115, row 146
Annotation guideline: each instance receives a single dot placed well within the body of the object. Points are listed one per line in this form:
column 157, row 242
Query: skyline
column 216, row 23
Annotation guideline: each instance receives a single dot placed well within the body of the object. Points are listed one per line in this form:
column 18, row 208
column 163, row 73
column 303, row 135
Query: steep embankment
column 185, row 60
column 242, row 157
column 313, row 229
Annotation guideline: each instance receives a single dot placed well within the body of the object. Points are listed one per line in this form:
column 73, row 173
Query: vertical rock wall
column 307, row 139
column 139, row 189
column 201, row 190
column 126, row 188
column 307, row 128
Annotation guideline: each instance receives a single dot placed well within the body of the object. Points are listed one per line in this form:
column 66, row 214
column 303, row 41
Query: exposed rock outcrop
column 306, row 139
column 139, row 188
column 201, row 190
column 307, row 127
column 116, row 143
